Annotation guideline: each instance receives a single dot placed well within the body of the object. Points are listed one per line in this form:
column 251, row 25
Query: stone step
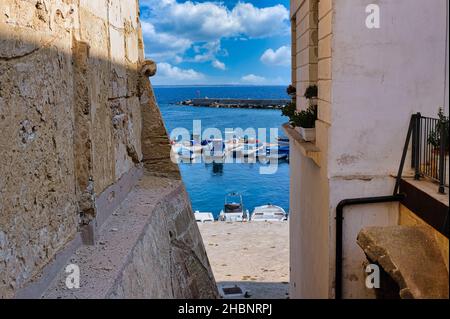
column 150, row 247
column 411, row 256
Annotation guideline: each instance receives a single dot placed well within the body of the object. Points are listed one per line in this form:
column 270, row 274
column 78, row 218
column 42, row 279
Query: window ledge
column 308, row 149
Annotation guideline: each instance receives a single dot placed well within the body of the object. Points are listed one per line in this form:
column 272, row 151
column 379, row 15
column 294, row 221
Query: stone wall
column 370, row 82
column 77, row 116
column 310, row 187
column 304, row 18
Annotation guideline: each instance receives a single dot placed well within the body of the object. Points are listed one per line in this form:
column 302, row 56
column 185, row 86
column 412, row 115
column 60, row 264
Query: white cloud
column 167, row 71
column 163, row 46
column 282, row 56
column 177, row 59
column 208, row 52
column 219, row 65
column 253, row 79
column 261, row 22
column 179, row 25
column 210, row 21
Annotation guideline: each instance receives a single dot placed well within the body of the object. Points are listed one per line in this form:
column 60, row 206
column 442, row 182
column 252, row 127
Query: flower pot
column 308, row 134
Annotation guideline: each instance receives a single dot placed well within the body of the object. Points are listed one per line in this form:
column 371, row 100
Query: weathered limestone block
column 98, row 8
column 116, row 19
column 155, row 141
column 411, row 257
column 131, row 44
column 38, row 210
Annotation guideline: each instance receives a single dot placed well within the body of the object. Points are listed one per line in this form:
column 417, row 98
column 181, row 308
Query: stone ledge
column 149, row 247
column 411, row 257
column 429, row 187
column 308, row 149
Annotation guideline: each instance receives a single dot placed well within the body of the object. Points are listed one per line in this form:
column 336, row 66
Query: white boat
column 176, row 148
column 268, row 213
column 233, row 145
column 203, row 217
column 187, row 149
column 192, row 145
column 233, row 210
column 249, row 147
column 215, row 149
column 186, row 153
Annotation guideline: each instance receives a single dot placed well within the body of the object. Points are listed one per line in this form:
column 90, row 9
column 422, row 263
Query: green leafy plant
column 289, row 110
column 291, row 90
column 311, row 92
column 305, row 118
column 434, row 138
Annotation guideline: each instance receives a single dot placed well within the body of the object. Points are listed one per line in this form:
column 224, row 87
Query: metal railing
column 430, row 149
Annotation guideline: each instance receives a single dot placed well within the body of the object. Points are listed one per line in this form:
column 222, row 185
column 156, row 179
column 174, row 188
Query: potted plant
column 311, row 94
column 434, row 139
column 305, row 123
column 289, row 110
column 291, row 91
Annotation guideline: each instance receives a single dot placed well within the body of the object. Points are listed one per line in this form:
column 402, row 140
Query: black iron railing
column 430, row 149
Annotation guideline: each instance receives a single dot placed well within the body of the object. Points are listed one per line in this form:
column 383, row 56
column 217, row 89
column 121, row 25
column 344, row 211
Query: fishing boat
column 277, row 152
column 282, row 141
column 233, row 210
column 215, row 149
column 203, row 217
column 249, row 147
column 176, row 148
column 268, row 213
column 187, row 149
column 233, row 145
column 193, row 145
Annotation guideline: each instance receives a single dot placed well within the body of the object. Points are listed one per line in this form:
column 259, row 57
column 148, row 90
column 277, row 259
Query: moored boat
column 268, row 213
column 215, row 149
column 203, row 217
column 283, row 141
column 233, row 210
column 277, row 152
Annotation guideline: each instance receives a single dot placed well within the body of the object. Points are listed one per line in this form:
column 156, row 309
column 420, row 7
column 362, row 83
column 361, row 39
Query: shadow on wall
column 77, row 114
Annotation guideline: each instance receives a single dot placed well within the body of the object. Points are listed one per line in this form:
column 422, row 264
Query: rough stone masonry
column 85, row 173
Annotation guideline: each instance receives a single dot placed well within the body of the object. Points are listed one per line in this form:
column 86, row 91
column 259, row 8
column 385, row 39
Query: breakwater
column 237, row 103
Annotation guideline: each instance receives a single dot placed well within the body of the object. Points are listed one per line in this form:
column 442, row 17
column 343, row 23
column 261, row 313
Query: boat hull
column 268, row 213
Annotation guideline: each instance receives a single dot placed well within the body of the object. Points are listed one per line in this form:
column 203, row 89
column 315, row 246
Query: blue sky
column 212, row 42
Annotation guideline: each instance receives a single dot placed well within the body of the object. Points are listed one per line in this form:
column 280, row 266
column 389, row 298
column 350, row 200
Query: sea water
column 207, row 184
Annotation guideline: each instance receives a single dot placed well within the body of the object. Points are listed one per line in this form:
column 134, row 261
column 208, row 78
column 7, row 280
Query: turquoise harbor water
column 207, row 184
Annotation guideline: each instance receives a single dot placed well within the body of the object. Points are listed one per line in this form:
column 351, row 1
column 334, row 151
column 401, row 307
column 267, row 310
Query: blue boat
column 277, row 152
column 283, row 141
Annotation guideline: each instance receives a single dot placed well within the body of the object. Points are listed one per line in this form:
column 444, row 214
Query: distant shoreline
column 272, row 104
column 215, row 85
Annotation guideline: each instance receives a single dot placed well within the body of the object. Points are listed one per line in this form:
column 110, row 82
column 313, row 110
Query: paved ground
column 254, row 256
